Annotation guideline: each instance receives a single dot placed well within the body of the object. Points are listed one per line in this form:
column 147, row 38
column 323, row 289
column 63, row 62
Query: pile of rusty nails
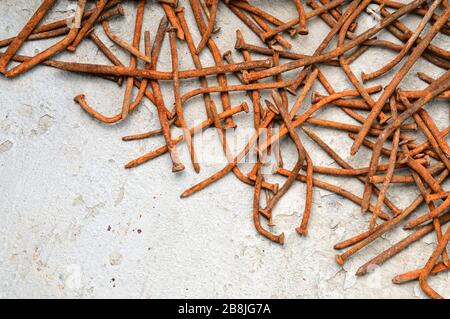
column 426, row 165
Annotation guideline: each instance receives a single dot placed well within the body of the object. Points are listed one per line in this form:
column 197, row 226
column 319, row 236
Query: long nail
column 210, row 28
column 133, row 60
column 414, row 275
column 303, row 228
column 178, row 104
column 302, row 27
column 106, row 51
column 256, row 198
column 130, row 48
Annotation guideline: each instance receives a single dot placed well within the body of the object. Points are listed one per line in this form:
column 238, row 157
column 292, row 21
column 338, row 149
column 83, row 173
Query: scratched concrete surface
column 75, row 223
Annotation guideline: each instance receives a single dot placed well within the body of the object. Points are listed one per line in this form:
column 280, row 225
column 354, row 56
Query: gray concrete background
column 75, row 223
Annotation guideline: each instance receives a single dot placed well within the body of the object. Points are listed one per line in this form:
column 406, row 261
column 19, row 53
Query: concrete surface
column 75, row 223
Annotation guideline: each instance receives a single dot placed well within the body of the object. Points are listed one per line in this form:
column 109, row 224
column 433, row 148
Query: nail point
column 301, row 231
